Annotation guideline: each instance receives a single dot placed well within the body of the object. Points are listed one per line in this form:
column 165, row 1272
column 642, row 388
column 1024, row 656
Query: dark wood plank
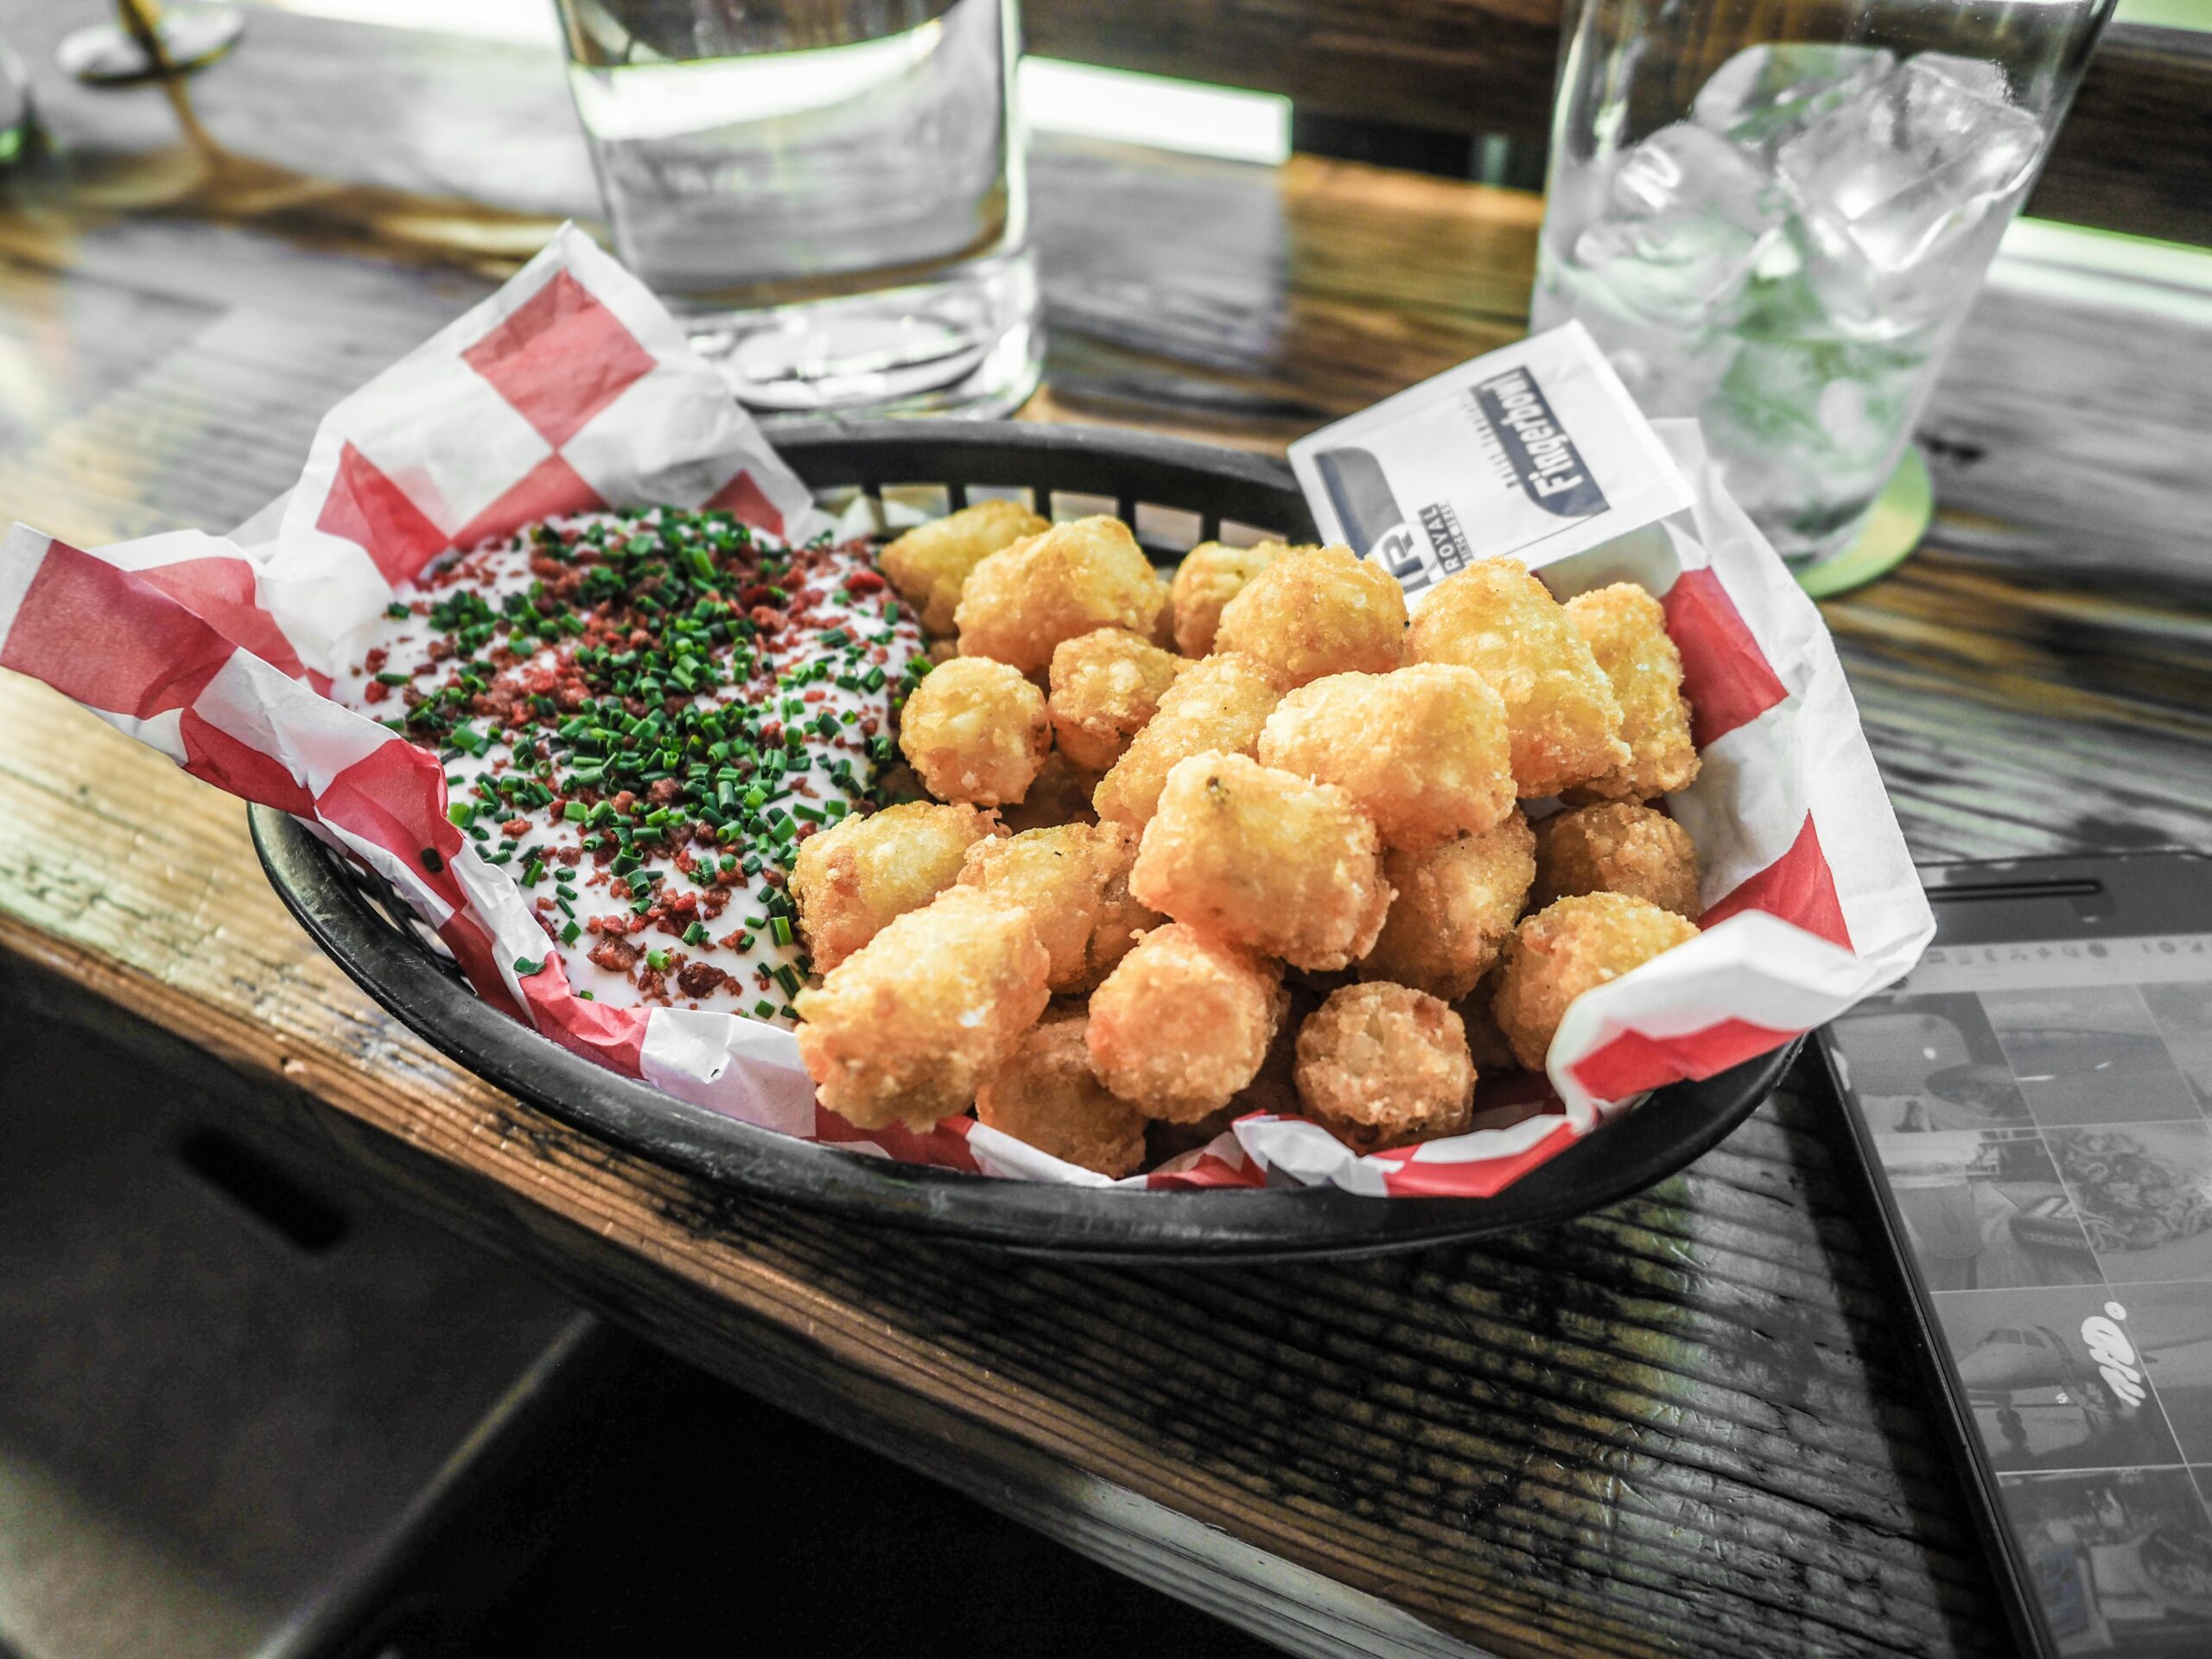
column 2136, row 152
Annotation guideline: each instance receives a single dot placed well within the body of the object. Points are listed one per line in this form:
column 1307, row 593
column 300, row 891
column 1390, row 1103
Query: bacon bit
column 865, row 582
column 440, row 650
column 728, row 941
column 515, row 827
column 812, row 694
column 663, row 791
column 772, row 733
column 767, row 618
column 652, row 983
column 375, row 691
column 805, row 830
column 617, row 956
column 374, row 661
column 625, row 799
column 699, row 978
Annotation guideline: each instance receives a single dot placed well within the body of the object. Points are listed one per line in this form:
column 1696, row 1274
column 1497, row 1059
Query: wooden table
column 1684, row 1425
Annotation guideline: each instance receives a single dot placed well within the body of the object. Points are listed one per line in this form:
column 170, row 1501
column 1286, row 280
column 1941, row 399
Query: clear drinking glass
column 829, row 194
column 1773, row 215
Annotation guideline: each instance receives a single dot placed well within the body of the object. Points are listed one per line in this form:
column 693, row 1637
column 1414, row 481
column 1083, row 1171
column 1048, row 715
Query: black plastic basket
column 1175, row 493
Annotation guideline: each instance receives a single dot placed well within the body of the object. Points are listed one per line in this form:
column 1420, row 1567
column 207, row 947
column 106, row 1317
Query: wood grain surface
column 2135, row 155
column 1683, row 1425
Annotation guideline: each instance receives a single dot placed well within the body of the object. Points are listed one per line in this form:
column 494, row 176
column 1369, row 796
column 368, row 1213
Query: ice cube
column 1954, row 108
column 1764, row 93
column 1686, row 168
column 1687, row 216
column 1669, row 371
column 1906, row 166
column 1976, row 75
column 1680, row 270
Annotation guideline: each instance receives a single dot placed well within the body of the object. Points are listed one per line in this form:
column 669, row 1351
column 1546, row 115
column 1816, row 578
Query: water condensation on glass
column 857, row 159
column 1787, row 258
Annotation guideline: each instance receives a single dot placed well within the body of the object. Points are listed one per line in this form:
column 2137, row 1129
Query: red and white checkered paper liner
column 571, row 389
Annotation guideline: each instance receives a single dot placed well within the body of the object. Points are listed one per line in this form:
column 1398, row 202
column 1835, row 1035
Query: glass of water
column 1774, row 214
column 829, row 194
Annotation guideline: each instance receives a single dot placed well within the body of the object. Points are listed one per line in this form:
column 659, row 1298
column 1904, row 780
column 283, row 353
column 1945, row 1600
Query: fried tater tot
column 1123, row 918
column 853, row 878
column 1265, row 859
column 1048, row 1096
column 1318, row 611
column 1022, row 600
column 1383, row 1065
column 1056, row 875
column 1617, row 847
column 1209, row 577
column 1061, row 794
column 1497, row 619
column 1183, row 1023
column 907, row 1027
column 1106, row 684
column 928, row 565
column 1423, row 750
column 1627, row 631
column 975, row 730
column 1220, row 704
column 1571, row 946
column 1455, row 909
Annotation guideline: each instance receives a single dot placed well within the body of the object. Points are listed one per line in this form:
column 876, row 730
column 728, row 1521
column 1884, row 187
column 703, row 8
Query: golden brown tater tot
column 1617, row 847
column 1572, row 946
column 1219, row 703
column 855, row 876
column 1456, row 907
column 1627, row 631
column 1209, row 577
column 1056, row 875
column 1022, row 600
column 1267, row 860
column 906, row 1029
column 930, row 563
column 1383, row 1065
column 1423, row 750
column 1048, row 1096
column 1183, row 1023
column 1497, row 619
column 1105, row 686
column 975, row 730
column 1318, row 611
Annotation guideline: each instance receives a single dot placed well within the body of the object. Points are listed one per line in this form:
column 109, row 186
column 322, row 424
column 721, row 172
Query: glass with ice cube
column 1774, row 218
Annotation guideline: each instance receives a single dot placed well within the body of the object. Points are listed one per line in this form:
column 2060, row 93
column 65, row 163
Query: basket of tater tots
column 851, row 819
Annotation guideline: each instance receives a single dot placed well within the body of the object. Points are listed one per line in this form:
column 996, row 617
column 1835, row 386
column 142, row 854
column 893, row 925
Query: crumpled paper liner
column 571, row 389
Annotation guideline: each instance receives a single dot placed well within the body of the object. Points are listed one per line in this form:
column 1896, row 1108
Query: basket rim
column 1672, row 1128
